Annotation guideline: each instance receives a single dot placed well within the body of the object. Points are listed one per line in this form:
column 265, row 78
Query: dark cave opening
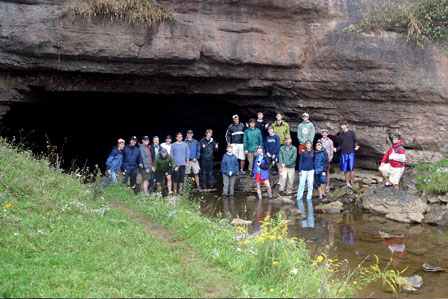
column 85, row 125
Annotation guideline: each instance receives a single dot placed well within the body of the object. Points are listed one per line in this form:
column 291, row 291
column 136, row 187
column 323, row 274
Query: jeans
column 111, row 179
column 229, row 185
column 132, row 177
column 307, row 176
column 207, row 174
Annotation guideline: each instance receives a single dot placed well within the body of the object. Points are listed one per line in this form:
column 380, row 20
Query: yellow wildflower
column 274, row 263
column 271, row 290
column 319, row 258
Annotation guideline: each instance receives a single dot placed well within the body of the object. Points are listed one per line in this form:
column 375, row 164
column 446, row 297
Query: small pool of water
column 354, row 235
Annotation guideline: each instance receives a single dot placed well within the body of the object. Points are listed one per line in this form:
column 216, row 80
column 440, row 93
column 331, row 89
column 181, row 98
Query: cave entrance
column 84, row 126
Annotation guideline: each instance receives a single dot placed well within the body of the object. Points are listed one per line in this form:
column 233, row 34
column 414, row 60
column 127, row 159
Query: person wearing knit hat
column 113, row 163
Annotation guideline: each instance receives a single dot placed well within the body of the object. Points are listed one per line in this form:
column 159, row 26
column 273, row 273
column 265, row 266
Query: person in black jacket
column 132, row 160
column 235, row 137
column 208, row 148
column 348, row 144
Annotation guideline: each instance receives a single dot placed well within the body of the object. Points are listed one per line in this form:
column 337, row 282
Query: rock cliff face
column 268, row 55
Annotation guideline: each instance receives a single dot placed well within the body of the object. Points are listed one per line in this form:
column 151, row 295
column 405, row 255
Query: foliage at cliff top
column 418, row 21
column 136, row 12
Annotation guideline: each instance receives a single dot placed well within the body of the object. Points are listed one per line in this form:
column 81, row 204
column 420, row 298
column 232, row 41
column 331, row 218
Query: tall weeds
column 136, row 12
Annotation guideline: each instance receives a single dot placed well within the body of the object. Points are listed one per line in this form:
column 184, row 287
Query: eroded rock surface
column 437, row 215
column 395, row 204
column 291, row 56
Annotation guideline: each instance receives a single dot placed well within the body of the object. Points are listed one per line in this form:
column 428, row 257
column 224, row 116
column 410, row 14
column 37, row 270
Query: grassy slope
column 50, row 247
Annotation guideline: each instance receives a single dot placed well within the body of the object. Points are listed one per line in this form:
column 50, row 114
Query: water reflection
column 347, row 233
column 309, row 221
column 395, row 244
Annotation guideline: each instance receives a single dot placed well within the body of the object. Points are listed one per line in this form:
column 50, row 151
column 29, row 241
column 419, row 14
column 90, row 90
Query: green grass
column 268, row 266
column 50, row 247
column 433, row 177
column 420, row 21
column 58, row 238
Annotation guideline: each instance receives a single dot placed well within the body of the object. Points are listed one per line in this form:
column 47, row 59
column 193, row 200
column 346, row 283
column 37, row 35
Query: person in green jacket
column 252, row 139
column 163, row 165
column 281, row 128
column 305, row 131
column 287, row 160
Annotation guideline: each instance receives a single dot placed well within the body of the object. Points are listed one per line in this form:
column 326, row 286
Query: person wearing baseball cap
column 327, row 143
column 113, row 163
column 148, row 161
column 163, row 167
column 132, row 160
column 305, row 131
column 235, row 137
column 167, row 143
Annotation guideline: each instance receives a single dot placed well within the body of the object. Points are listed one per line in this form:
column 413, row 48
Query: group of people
column 268, row 149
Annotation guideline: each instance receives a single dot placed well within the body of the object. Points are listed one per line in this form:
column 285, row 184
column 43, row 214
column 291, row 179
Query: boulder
column 411, row 283
column 437, row 215
column 395, row 204
column 282, row 200
column 333, row 207
column 344, row 195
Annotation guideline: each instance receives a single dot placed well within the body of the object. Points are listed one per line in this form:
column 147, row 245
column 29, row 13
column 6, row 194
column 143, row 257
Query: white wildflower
column 294, row 271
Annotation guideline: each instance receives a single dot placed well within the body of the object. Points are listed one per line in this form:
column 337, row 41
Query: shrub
column 433, row 177
column 136, row 12
column 418, row 21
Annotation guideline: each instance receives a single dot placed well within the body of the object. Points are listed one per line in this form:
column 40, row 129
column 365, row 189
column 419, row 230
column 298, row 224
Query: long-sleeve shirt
column 272, row 145
column 306, row 161
column 180, row 153
column 347, row 142
column 288, row 156
column 329, row 146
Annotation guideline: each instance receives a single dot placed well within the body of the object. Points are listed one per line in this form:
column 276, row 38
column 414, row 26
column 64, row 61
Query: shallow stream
column 353, row 235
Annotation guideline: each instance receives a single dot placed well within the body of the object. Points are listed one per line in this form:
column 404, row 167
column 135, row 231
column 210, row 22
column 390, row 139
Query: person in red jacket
column 393, row 162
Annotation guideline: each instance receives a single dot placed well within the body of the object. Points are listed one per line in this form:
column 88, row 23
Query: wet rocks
column 344, row 195
column 428, row 268
column 411, row 283
column 437, row 215
column 282, row 200
column 395, row 204
column 240, row 222
column 333, row 207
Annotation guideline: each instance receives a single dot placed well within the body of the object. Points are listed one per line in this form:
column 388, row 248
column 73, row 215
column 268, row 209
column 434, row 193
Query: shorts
column 393, row 173
column 320, row 179
column 258, row 178
column 179, row 175
column 238, row 151
column 145, row 176
column 193, row 166
column 159, row 175
column 347, row 162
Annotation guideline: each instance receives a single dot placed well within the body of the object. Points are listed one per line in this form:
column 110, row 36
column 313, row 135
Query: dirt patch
column 212, row 289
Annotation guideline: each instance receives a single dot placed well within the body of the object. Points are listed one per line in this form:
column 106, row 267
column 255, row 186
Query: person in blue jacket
column 320, row 168
column 195, row 154
column 306, row 174
column 132, row 160
column 229, row 170
column 261, row 172
column 272, row 146
column 113, row 163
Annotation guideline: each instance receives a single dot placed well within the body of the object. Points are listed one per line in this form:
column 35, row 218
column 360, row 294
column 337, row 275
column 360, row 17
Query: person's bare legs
column 268, row 187
column 159, row 188
column 196, row 179
column 328, row 180
column 242, row 162
column 259, row 190
column 385, row 177
column 321, row 190
column 347, row 177
column 168, row 183
column 181, row 187
column 174, row 187
column 352, row 177
column 144, row 186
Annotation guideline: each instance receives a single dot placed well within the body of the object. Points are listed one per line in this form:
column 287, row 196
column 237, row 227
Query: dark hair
column 168, row 136
column 252, row 120
column 154, row 137
column 179, row 133
column 396, row 136
column 344, row 122
column 279, row 113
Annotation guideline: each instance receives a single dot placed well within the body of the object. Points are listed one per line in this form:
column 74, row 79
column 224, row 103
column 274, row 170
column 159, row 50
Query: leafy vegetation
column 136, row 12
column 420, row 21
column 59, row 238
column 269, row 265
column 433, row 177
